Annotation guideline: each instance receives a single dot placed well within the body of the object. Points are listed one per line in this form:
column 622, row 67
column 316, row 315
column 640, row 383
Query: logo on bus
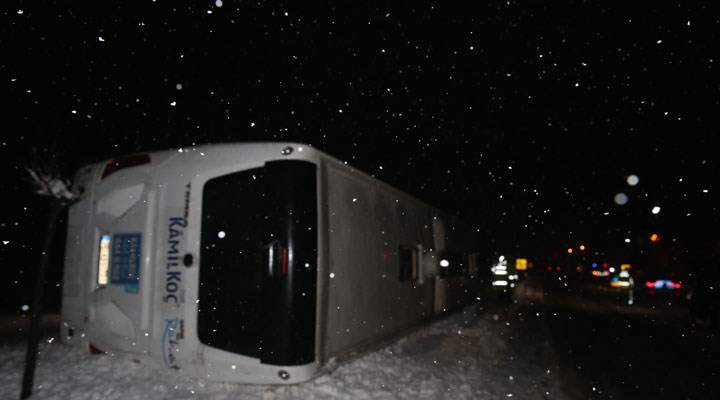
column 174, row 331
column 173, row 272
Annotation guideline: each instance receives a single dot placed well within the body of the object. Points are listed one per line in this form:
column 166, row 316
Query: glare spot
column 656, row 210
column 444, row 263
column 25, row 307
column 633, row 180
column 173, row 103
column 627, row 240
column 219, row 3
column 100, row 38
column 221, row 234
column 232, row 366
column 621, row 199
column 332, row 275
column 354, row 200
column 178, row 86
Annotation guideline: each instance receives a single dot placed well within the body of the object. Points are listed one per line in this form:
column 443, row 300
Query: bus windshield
column 258, row 263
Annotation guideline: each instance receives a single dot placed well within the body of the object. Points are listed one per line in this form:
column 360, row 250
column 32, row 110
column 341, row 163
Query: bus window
column 408, row 264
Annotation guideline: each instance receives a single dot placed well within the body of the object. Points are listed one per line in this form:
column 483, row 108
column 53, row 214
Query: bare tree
column 46, row 176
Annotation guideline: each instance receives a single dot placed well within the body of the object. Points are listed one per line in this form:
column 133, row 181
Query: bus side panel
column 79, row 253
column 367, row 224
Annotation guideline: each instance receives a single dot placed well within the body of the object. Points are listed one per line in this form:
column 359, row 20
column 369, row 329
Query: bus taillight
column 116, row 164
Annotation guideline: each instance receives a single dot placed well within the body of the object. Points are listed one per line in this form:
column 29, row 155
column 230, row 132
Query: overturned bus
column 254, row 262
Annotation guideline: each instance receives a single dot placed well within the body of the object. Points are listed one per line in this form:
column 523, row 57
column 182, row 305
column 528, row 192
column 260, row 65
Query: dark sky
column 524, row 118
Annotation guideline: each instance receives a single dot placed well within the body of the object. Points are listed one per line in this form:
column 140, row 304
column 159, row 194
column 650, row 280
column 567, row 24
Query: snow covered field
column 476, row 353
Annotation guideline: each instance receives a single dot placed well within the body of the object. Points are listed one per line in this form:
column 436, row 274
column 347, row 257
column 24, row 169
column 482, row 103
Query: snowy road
column 477, row 353
column 556, row 341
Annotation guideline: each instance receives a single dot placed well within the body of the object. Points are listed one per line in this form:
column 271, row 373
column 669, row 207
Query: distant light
column 569, row 250
column 654, row 237
column 582, row 247
column 332, row 275
column 621, row 199
column 612, row 270
column 663, row 283
column 627, row 240
column 499, row 271
column 444, row 263
column 500, row 283
column 633, row 180
column 656, row 210
column 221, row 234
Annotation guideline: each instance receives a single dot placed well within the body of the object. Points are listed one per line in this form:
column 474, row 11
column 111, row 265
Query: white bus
column 254, row 262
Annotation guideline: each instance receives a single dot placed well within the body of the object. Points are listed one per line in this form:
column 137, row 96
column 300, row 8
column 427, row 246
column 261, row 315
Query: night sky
column 525, row 119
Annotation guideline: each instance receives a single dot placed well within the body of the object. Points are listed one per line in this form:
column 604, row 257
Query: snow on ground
column 475, row 353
